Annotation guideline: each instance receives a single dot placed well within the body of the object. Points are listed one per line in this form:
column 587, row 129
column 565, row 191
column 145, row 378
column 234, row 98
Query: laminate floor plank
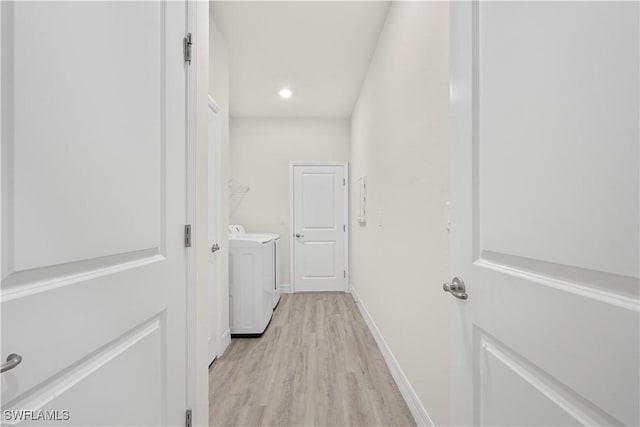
column 317, row 364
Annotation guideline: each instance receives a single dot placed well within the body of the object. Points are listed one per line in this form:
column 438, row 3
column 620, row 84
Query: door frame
column 217, row 203
column 190, row 253
column 292, row 260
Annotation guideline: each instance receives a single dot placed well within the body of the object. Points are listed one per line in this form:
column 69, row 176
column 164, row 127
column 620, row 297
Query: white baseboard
column 353, row 293
column 285, row 288
column 225, row 340
column 418, row 411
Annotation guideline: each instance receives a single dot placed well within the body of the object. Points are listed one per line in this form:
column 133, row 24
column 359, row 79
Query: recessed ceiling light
column 285, row 93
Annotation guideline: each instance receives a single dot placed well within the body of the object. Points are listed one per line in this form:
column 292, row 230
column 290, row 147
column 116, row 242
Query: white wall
column 399, row 260
column 261, row 150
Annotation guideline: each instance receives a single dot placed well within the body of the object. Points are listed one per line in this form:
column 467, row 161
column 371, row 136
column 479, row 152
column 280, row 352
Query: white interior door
column 214, row 246
column 93, row 211
column 545, row 213
column 319, row 227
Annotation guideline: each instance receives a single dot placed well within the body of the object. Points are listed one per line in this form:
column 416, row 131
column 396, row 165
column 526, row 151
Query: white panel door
column 93, row 211
column 545, row 213
column 213, row 307
column 319, row 225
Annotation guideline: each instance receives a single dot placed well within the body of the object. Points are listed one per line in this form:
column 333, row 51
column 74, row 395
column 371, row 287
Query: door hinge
column 187, row 418
column 345, row 273
column 187, row 44
column 187, row 236
column 344, row 181
column 344, row 227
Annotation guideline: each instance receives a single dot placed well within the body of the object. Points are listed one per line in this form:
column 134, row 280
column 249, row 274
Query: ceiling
column 320, row 50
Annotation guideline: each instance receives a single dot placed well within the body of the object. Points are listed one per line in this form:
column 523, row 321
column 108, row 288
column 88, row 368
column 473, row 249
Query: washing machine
column 238, row 231
column 250, row 284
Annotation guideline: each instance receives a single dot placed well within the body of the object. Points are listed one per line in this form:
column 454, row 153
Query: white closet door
column 319, row 228
column 93, row 211
column 545, row 227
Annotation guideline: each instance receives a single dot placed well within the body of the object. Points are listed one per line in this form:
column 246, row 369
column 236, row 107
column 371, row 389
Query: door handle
column 456, row 288
column 215, row 248
column 299, row 235
column 13, row 360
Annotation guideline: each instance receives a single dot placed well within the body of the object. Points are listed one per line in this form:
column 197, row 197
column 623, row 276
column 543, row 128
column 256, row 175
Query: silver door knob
column 299, row 235
column 456, row 288
column 215, row 248
column 13, row 360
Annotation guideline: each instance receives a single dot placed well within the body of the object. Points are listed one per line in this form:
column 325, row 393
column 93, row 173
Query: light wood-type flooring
column 317, row 364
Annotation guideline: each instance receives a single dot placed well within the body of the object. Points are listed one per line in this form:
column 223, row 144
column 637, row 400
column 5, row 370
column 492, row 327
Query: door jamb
column 190, row 217
column 292, row 165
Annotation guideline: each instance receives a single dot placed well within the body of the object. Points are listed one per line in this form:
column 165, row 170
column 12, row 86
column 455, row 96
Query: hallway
column 316, row 364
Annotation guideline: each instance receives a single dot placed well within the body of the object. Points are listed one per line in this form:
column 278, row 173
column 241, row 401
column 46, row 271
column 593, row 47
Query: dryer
column 251, row 272
column 237, row 231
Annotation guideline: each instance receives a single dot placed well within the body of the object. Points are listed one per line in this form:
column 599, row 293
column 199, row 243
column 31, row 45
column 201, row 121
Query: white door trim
column 191, row 141
column 293, row 164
